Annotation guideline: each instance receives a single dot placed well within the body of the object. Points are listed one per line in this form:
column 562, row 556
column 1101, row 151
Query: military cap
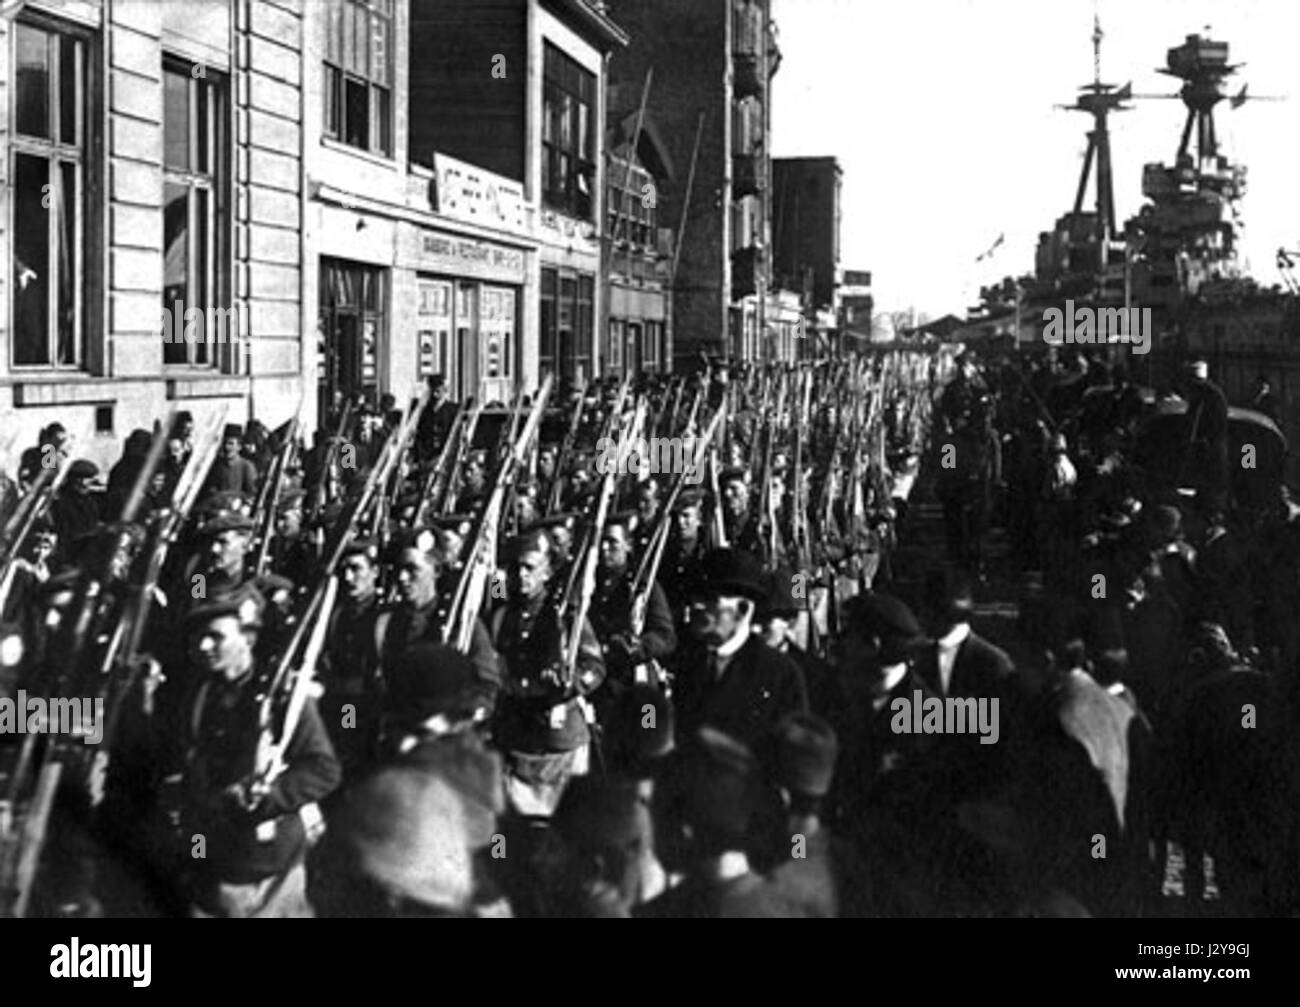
column 244, row 601
column 226, row 520
column 82, row 469
column 806, row 749
column 362, row 545
column 432, row 678
column 565, row 520
column 881, row 615
column 291, row 498
column 626, row 520
column 534, row 540
column 408, row 830
column 421, row 539
column 477, row 455
column 734, row 473
column 225, row 500
column 688, row 498
column 232, row 430
column 732, row 572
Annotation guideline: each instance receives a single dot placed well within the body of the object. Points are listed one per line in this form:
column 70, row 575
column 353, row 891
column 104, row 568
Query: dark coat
column 529, row 638
column 980, row 669
column 758, row 687
column 219, row 749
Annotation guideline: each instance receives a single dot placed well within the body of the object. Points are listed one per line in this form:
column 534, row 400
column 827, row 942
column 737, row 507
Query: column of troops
column 470, row 660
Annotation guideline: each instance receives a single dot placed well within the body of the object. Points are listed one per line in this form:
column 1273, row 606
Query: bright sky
column 941, row 114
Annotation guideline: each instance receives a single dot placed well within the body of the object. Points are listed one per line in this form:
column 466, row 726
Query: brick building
column 715, row 59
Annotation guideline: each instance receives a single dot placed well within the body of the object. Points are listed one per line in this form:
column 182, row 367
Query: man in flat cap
column 704, row 809
column 248, row 828
column 232, row 471
column 816, row 875
column 725, row 675
column 77, row 509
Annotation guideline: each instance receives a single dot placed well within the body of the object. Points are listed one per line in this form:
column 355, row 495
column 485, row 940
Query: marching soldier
column 540, row 725
column 417, row 615
column 349, row 669
column 627, row 654
column 247, row 838
column 684, row 552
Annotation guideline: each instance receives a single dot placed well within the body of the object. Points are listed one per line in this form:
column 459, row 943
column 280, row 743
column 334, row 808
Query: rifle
column 436, row 481
column 462, row 615
column 295, row 683
column 320, row 494
column 269, row 498
column 462, row 449
column 23, row 520
column 566, row 451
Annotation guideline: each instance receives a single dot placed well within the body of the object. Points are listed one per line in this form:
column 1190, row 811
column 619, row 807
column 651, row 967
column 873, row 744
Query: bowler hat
column 732, row 572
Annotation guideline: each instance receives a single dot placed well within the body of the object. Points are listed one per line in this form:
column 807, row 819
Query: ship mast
column 1099, row 100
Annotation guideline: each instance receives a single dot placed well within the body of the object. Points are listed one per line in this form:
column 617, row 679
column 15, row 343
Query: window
column 568, row 135
column 632, row 218
column 566, row 324
column 47, row 173
column 614, row 351
column 359, row 74
column 196, row 221
column 652, row 349
column 352, row 323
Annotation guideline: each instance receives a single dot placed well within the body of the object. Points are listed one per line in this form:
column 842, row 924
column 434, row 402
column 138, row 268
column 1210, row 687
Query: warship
column 1177, row 256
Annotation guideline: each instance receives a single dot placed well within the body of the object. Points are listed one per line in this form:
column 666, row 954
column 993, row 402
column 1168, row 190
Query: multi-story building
column 806, row 240
column 151, row 225
column 713, row 63
column 639, row 252
column 455, row 165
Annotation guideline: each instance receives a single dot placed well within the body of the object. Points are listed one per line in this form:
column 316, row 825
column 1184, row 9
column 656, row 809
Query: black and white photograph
column 650, row 459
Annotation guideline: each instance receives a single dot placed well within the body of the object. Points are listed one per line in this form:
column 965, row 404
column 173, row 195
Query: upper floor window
column 632, row 218
column 198, row 323
column 568, row 135
column 359, row 74
column 47, row 165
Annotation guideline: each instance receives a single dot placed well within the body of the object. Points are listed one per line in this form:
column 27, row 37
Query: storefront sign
column 445, row 253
